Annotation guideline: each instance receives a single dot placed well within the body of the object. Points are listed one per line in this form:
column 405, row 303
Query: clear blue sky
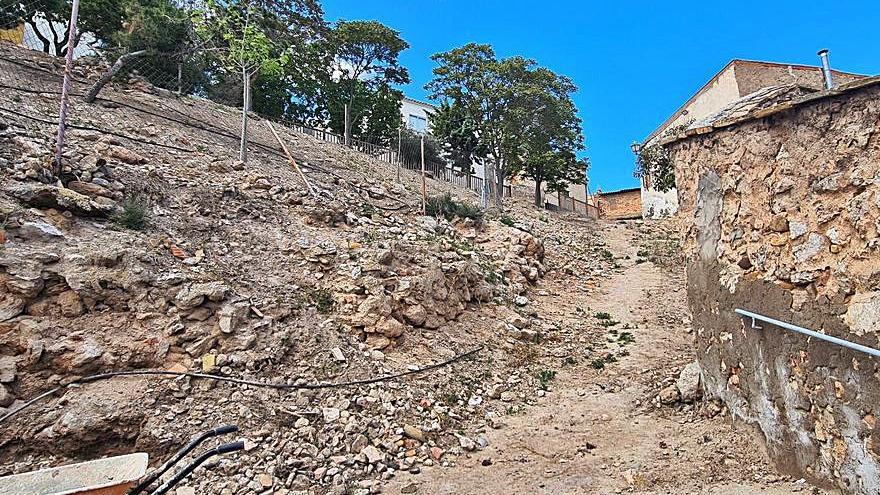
column 634, row 62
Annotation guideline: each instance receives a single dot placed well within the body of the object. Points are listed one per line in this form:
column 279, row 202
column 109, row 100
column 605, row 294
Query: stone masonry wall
column 621, row 204
column 783, row 214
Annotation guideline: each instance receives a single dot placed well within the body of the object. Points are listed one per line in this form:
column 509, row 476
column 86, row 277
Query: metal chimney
column 826, row 69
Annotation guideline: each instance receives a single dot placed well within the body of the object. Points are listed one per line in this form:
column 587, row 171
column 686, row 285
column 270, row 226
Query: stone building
column 736, row 80
column 780, row 194
column 619, row 205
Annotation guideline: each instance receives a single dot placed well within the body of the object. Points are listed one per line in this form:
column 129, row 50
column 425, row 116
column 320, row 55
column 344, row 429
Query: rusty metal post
column 65, row 87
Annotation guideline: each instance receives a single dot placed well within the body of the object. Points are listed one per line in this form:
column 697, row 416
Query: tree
column 165, row 33
column 374, row 112
column 244, row 48
column 50, row 20
column 457, row 133
column 364, row 63
column 557, row 168
column 522, row 112
column 549, row 132
column 653, row 164
column 470, row 78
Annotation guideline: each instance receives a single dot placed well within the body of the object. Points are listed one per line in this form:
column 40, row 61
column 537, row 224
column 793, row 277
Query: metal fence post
column 65, row 87
column 399, row 145
column 424, row 182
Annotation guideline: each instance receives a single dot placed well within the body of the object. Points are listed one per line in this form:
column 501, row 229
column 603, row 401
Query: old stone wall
column 782, row 214
column 620, row 204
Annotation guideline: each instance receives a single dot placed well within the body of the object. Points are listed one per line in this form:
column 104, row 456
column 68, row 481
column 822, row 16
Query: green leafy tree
column 299, row 27
column 166, row 33
column 655, row 167
column 549, row 132
column 522, row 112
column 374, row 110
column 653, row 164
column 364, row 67
column 457, row 133
column 558, row 169
column 243, row 48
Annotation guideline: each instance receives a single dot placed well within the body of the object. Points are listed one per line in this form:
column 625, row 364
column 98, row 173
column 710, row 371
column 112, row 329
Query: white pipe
column 808, row 332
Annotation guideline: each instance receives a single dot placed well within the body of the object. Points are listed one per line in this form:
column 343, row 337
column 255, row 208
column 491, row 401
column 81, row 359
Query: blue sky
column 634, row 62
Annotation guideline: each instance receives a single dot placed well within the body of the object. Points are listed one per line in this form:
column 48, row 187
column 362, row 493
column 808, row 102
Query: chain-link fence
column 159, row 52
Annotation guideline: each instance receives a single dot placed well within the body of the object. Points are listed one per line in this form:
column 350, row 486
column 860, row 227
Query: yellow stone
column 209, row 362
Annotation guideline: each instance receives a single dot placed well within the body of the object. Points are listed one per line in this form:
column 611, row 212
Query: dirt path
column 597, row 431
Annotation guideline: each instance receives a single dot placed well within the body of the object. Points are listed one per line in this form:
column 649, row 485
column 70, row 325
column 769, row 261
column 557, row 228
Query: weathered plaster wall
column 656, row 204
column 783, row 216
column 719, row 92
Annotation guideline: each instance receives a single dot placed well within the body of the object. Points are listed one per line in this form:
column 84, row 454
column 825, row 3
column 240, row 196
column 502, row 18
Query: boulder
column 415, row 315
column 38, row 230
column 195, row 294
column 688, row 383
column 390, row 328
column 6, row 397
column 89, row 189
column 60, row 198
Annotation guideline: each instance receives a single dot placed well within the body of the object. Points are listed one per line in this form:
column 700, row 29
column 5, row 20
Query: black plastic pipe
column 183, row 473
column 149, row 480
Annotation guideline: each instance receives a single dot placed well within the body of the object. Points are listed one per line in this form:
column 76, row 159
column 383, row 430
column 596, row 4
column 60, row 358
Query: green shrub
column 448, row 208
column 134, row 214
column 322, row 299
column 545, row 377
column 507, row 221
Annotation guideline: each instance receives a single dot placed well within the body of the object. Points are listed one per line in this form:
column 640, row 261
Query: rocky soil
column 580, row 382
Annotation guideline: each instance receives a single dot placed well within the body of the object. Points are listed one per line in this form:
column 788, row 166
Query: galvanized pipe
column 826, row 69
column 808, row 332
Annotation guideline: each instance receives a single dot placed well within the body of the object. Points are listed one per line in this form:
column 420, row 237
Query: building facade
column 416, row 114
column 738, row 79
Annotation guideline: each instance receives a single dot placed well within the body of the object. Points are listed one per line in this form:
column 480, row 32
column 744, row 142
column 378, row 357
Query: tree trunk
column 488, row 183
column 107, row 76
column 538, row 201
column 246, row 97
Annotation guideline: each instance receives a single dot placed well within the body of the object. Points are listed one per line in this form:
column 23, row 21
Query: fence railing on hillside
column 574, row 205
column 23, row 24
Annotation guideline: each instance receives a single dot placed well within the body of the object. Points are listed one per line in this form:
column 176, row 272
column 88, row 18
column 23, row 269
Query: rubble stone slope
column 241, row 271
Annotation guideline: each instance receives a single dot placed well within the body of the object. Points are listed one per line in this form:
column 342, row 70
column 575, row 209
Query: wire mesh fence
column 176, row 62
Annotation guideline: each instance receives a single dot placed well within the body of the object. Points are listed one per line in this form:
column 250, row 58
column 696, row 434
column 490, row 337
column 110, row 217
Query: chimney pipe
column 826, row 69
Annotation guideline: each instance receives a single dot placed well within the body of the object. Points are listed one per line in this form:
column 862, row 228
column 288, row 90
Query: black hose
column 183, row 473
column 195, row 442
column 240, row 381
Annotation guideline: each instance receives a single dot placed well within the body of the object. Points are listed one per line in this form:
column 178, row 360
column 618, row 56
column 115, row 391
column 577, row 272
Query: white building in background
column 416, row 114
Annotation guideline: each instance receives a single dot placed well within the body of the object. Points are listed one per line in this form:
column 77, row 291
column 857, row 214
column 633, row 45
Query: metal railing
column 806, row 331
